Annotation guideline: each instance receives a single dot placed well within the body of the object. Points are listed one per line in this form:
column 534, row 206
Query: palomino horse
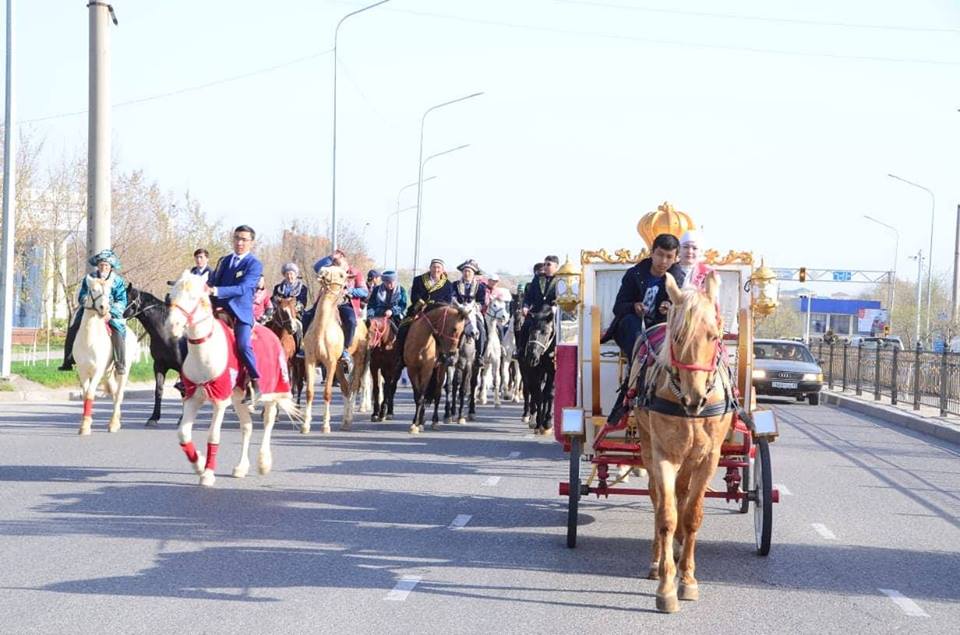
column 211, row 370
column 323, row 344
column 384, row 366
column 537, row 366
column 463, row 380
column 93, row 353
column 681, row 430
column 152, row 313
column 284, row 325
column 430, row 347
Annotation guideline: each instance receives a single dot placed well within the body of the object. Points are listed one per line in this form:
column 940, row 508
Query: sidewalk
column 28, row 391
column 927, row 420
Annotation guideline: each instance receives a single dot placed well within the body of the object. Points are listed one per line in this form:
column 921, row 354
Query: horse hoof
column 113, row 426
column 84, row 431
column 240, row 471
column 305, row 428
column 525, row 419
column 461, row 421
column 689, row 592
column 654, row 573
column 325, row 429
column 208, row 478
column 435, row 425
column 546, row 431
column 152, row 423
column 668, row 603
column 471, row 417
column 445, row 420
column 414, row 429
column 345, row 426
column 198, row 466
column 374, row 418
column 389, row 418
column 264, row 465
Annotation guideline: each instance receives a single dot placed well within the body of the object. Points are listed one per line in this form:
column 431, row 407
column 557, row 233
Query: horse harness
column 189, row 315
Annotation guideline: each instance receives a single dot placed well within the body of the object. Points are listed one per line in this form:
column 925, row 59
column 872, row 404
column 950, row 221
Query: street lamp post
column 933, row 207
column 423, row 119
column 333, row 180
column 919, row 259
column 416, row 254
column 896, row 252
column 397, row 214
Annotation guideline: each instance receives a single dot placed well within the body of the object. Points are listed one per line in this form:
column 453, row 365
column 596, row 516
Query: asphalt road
column 458, row 530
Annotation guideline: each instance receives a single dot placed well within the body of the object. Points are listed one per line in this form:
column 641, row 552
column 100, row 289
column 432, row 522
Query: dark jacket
column 441, row 292
column 381, row 300
column 477, row 292
column 634, row 288
column 541, row 292
column 285, row 290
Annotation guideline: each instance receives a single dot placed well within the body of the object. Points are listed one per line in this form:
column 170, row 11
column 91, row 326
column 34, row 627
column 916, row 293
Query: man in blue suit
column 232, row 285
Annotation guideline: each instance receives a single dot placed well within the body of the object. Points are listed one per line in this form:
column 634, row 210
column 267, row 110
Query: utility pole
column 9, row 209
column 98, row 128
column 919, row 259
column 954, row 307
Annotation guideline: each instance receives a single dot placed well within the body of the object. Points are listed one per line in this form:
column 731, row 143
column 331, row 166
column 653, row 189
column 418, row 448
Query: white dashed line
column 823, row 531
column 493, row 480
column 403, row 588
column 783, row 489
column 514, row 455
column 906, row 605
column 460, row 521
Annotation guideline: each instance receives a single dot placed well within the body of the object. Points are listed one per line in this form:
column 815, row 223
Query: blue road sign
column 842, row 276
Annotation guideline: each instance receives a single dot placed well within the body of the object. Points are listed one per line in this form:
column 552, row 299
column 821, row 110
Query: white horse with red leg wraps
column 93, row 353
column 211, row 371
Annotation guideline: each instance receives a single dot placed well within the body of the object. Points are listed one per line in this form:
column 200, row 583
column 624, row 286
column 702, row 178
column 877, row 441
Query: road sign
column 784, row 274
column 842, row 276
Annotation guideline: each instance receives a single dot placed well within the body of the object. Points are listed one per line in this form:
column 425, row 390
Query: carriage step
column 617, row 446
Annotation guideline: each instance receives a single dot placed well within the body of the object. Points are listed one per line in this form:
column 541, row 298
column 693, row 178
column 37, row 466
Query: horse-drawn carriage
column 604, row 456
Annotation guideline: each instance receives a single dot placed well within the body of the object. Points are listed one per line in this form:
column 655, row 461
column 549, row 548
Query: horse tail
column 285, row 403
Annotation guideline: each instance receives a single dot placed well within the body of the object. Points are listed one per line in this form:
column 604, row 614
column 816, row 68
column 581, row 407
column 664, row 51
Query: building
column 845, row 317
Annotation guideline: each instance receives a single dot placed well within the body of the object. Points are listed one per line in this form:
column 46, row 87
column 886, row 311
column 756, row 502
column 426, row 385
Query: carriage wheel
column 763, row 504
column 745, row 488
column 573, row 500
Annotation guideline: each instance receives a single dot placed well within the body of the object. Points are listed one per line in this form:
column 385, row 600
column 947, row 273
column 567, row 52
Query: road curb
column 71, row 394
column 924, row 425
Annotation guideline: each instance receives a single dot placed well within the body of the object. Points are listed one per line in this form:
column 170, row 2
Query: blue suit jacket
column 236, row 286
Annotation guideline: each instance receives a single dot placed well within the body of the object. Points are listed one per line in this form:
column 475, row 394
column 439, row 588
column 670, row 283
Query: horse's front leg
column 89, row 389
column 159, row 377
column 310, row 370
column 246, row 431
column 185, row 430
column 665, row 474
column 690, row 519
column 331, row 370
column 265, row 457
column 377, row 410
column 474, row 379
column 417, row 411
column 118, row 385
column 496, row 375
column 208, row 477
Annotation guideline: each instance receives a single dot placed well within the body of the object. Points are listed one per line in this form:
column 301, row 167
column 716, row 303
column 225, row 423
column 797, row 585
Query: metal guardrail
column 923, row 378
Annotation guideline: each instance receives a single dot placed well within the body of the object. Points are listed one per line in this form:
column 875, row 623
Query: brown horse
column 323, row 344
column 430, row 347
column 285, row 323
column 681, row 431
column 384, row 365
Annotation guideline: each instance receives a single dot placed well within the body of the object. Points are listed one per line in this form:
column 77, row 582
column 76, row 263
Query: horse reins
column 189, row 315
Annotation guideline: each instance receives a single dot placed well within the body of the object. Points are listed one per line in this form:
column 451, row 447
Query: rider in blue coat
column 387, row 299
column 107, row 266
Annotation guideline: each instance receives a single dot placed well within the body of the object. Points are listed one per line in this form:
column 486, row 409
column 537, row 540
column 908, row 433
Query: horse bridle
column 93, row 299
column 438, row 333
column 191, row 323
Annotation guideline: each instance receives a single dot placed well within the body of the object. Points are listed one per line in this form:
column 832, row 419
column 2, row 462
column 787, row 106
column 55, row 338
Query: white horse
column 210, row 372
column 491, row 369
column 93, row 353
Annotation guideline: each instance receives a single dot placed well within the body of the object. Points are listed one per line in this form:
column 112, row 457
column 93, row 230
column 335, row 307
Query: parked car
column 785, row 368
column 885, row 343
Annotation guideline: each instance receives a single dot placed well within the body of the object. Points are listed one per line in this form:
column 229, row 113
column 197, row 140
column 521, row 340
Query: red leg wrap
column 212, row 456
column 88, row 407
column 190, row 450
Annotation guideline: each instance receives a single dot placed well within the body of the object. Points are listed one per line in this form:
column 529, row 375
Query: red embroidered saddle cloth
column 271, row 363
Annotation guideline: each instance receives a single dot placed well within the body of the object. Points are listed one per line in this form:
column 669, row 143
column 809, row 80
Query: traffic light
column 886, row 330
column 803, row 274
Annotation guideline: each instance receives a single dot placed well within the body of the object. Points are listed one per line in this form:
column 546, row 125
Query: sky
column 773, row 124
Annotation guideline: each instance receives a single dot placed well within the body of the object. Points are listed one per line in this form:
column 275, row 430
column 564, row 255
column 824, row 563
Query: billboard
column 872, row 321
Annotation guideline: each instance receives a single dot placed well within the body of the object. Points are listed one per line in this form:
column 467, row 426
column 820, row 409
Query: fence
column 917, row 377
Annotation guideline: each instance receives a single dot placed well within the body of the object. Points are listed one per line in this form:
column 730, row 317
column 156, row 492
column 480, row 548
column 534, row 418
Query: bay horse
column 384, row 366
column 323, row 345
column 152, row 314
column 463, row 380
column 430, row 347
column 687, row 413
column 538, row 370
column 211, row 371
column 93, row 353
column 284, row 323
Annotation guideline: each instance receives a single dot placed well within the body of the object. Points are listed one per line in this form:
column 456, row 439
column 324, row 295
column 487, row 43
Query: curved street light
column 896, row 252
column 333, row 183
column 386, row 237
column 423, row 119
column 929, row 256
column 416, row 247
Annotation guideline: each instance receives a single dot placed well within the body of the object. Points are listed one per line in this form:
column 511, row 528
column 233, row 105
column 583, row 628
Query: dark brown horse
column 430, row 347
column 285, row 323
column 384, row 365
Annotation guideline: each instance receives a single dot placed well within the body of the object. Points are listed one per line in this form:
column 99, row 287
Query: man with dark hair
column 642, row 300
column 354, row 292
column 201, row 258
column 232, row 285
column 542, row 290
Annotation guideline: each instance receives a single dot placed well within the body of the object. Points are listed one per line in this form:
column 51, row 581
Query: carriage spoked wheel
column 745, row 473
column 573, row 499
column 762, row 490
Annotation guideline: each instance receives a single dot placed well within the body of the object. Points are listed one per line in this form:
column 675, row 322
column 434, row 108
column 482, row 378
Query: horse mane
column 683, row 321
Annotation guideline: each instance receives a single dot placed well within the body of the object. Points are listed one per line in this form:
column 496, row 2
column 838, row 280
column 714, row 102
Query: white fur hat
column 692, row 236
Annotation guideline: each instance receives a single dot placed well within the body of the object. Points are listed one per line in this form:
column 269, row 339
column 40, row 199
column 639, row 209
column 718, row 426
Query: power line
column 190, row 89
column 757, row 18
column 677, row 43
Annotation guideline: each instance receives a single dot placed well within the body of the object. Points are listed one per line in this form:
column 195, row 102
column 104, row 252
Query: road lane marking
column 906, row 605
column 823, row 531
column 403, row 588
column 783, row 489
column 460, row 521
column 514, row 455
column 493, row 480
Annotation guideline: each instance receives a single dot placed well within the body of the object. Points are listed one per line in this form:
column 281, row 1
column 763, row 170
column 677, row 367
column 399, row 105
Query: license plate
column 789, row 385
